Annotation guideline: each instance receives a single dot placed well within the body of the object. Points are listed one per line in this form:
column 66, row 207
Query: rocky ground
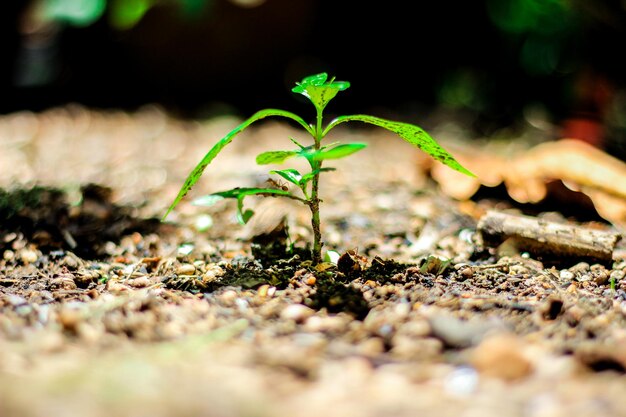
column 105, row 310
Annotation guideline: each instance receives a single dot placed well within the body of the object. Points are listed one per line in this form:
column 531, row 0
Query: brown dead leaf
column 527, row 174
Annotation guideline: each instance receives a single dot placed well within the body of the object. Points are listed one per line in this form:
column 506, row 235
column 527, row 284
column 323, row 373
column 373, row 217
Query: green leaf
column 339, row 151
column 311, row 80
column 297, row 143
column 318, row 91
column 241, row 193
column 125, row 14
column 331, row 256
column 308, row 177
column 75, row 12
column 274, row 157
column 291, row 175
column 196, row 173
column 243, row 216
column 194, row 8
column 207, row 200
column 244, row 192
column 411, row 133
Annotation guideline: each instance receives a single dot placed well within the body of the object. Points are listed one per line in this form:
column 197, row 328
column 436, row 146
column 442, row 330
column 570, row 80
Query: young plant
column 320, row 92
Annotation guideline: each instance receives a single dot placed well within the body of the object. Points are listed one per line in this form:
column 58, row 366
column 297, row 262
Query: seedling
column 320, row 91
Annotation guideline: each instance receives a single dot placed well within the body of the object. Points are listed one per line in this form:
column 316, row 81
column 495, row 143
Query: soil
column 105, row 310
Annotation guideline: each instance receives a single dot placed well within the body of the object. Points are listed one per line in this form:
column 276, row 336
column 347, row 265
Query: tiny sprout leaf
column 318, row 91
column 339, row 151
column 244, row 192
column 75, row 13
column 126, row 14
column 196, row 173
column 274, row 157
column 291, row 175
column 243, row 216
column 207, row 200
column 415, row 135
column 331, row 256
column 297, row 143
column 241, row 193
column 308, row 177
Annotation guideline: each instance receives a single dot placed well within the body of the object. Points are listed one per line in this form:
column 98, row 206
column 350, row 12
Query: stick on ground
column 542, row 237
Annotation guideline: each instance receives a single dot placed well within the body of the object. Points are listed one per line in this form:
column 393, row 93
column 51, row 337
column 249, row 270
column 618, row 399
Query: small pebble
column 617, row 275
column 501, row 356
column 212, row 273
column 64, row 282
column 140, row 282
column 334, row 324
column 228, row 296
column 186, row 269
column 296, row 312
column 262, row 290
column 462, row 381
column 69, row 319
column 28, row 256
column 580, row 268
column 70, row 261
column 371, row 347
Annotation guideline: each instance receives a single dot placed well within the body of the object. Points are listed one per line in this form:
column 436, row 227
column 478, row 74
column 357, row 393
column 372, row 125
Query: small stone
column 70, row 261
column 461, row 382
column 566, row 275
column 501, row 356
column 329, row 324
column 601, row 277
column 84, row 277
column 8, row 255
column 371, row 347
column 140, row 282
column 63, row 282
column 212, row 273
column 28, row 256
column 401, row 310
column 518, row 270
column 617, row 275
column 228, row 297
column 466, row 272
column 457, row 333
column 69, row 319
column 186, row 269
column 262, row 290
column 410, row 348
column 575, row 314
column 580, row 268
column 115, row 287
column 296, row 312
column 415, row 328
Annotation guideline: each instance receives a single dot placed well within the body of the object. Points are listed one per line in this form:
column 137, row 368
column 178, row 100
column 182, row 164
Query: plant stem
column 314, row 201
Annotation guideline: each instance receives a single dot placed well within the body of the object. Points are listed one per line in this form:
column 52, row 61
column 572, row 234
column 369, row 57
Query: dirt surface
column 106, row 311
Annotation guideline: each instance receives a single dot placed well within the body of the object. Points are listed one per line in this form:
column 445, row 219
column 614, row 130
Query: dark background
column 491, row 59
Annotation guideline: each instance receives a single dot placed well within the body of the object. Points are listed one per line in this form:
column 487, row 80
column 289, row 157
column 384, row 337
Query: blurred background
column 494, row 64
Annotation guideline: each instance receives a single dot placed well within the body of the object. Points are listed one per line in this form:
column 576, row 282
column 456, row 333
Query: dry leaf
column 527, row 174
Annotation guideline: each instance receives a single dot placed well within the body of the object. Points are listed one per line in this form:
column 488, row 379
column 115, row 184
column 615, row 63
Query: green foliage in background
column 320, row 91
column 122, row 14
column 543, row 27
